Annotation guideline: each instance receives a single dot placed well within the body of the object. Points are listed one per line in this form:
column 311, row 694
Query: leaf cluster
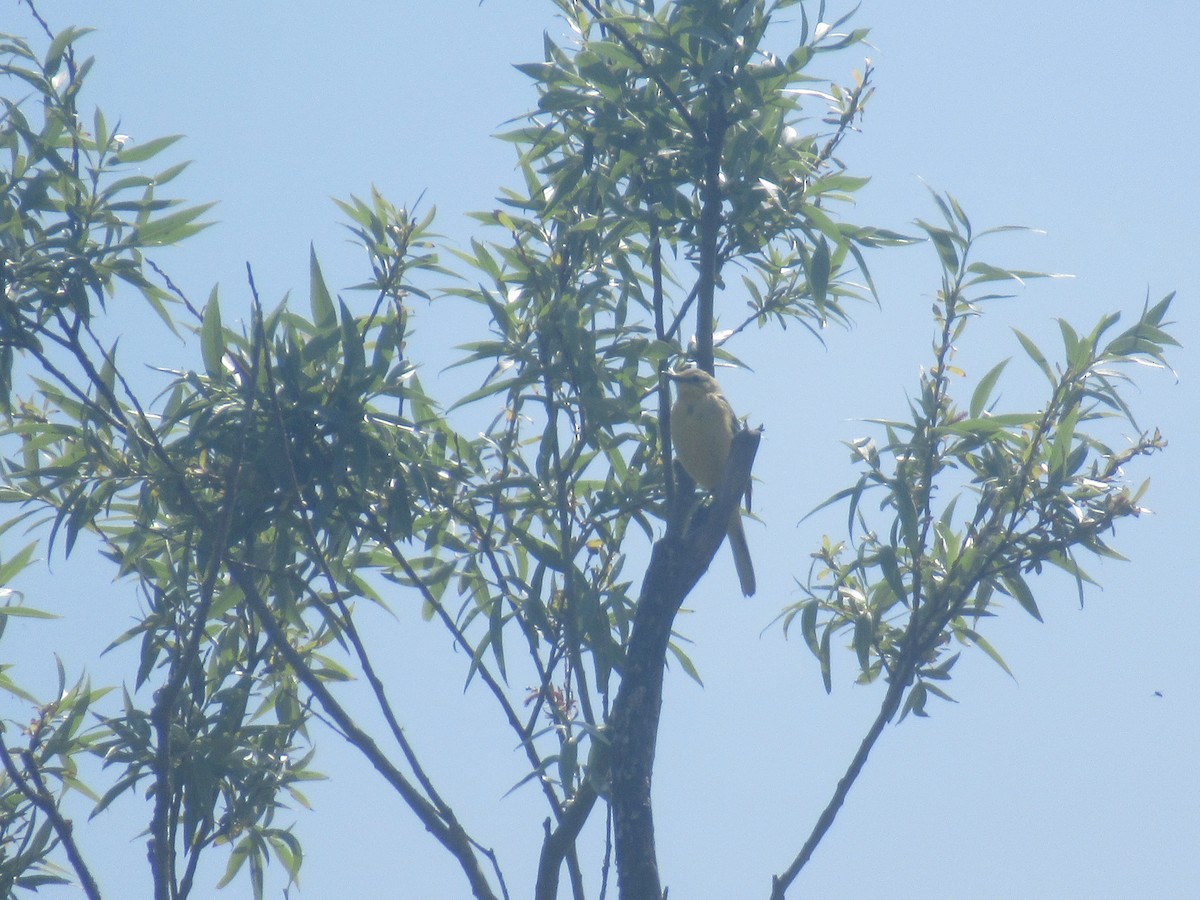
column 76, row 209
column 37, row 777
column 978, row 499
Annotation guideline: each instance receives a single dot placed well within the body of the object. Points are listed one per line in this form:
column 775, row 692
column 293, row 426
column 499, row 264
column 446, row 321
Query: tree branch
column 33, row 788
column 440, row 823
column 711, row 219
column 891, row 703
column 676, row 564
column 524, row 734
column 560, row 841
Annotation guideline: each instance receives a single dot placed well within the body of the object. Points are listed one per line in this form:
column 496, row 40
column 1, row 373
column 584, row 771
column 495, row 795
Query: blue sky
column 1075, row 778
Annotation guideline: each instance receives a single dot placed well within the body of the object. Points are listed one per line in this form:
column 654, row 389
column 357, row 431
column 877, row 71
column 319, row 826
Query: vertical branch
column 635, row 718
column 160, row 848
column 664, row 392
column 711, row 200
column 560, row 843
column 916, row 638
column 676, row 563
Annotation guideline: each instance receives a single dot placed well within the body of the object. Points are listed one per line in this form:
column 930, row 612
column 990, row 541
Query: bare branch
column 676, row 564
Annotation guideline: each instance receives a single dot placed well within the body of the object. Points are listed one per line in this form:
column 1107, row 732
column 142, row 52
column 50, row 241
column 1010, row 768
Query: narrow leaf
column 1036, row 355
column 1017, row 587
column 212, row 337
column 320, row 301
column 983, row 391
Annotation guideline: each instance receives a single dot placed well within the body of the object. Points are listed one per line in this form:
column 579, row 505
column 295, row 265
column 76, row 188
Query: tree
column 305, row 469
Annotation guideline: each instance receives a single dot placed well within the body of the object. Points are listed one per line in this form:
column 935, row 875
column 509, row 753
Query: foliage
column 35, row 781
column 303, row 471
column 1039, row 487
column 1042, row 486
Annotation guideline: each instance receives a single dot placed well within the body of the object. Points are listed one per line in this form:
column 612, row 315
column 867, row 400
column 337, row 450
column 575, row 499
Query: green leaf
column 915, row 702
column 863, row 635
column 320, row 300
column 1036, row 355
column 983, row 391
column 891, row 573
column 988, row 425
column 1017, row 587
column 237, row 859
column 568, row 763
column 986, row 272
column 978, row 640
column 686, row 663
column 818, row 273
column 212, row 337
column 136, row 153
column 614, row 53
column 907, row 514
column 824, row 657
column 938, row 692
column 855, row 493
column 25, row 612
column 58, row 46
column 1064, row 437
column 959, row 214
column 174, row 228
column 288, row 851
column 941, row 671
column 1067, row 563
column 840, row 182
column 944, row 243
column 808, row 626
column 19, row 561
column 496, row 629
column 354, row 354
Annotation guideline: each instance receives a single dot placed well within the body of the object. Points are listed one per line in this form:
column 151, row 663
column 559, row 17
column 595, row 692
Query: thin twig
column 449, row 834
column 38, row 17
column 174, row 289
column 891, row 703
column 460, row 639
column 559, row 841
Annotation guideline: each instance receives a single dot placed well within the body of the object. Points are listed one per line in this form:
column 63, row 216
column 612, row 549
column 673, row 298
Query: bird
column 702, row 429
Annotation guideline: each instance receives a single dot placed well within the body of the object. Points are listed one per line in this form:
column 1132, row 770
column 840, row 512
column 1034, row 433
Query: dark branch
column 561, row 840
column 676, row 564
column 33, row 788
column 887, row 710
column 445, row 828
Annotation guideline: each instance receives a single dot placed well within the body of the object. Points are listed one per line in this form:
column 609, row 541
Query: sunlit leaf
column 212, row 337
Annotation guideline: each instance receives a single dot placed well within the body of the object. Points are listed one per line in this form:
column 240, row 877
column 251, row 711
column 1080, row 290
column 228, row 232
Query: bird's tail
column 741, row 554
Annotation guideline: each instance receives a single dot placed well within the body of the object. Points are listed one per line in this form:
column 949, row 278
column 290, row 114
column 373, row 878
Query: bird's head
column 694, row 382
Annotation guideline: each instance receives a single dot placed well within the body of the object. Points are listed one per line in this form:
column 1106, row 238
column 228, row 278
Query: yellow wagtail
column 702, row 427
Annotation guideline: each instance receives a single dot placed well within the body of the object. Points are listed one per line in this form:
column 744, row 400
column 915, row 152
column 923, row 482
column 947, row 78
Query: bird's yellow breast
column 701, row 431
